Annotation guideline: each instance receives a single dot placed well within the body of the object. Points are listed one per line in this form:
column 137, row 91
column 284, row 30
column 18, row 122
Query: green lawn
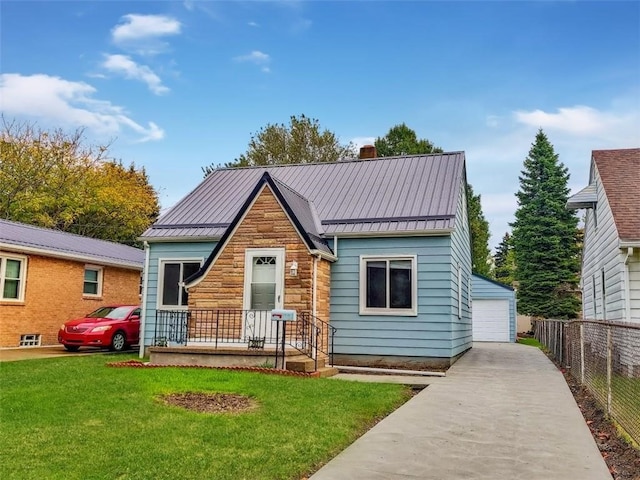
column 75, row 418
column 531, row 342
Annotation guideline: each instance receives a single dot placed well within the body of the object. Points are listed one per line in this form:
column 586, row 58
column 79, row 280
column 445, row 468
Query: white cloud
column 136, row 27
column 61, row 102
column 123, row 65
column 360, row 142
column 142, row 33
column 301, row 25
column 253, row 24
column 257, row 57
column 580, row 120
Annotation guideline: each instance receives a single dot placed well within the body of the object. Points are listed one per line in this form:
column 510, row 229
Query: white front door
column 263, row 289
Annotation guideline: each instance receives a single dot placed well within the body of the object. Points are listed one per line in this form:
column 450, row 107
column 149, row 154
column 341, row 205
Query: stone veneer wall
column 265, row 225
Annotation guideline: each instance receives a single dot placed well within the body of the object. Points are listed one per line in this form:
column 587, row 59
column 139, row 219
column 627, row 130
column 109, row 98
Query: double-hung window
column 388, row 285
column 13, row 271
column 92, row 286
column 172, row 275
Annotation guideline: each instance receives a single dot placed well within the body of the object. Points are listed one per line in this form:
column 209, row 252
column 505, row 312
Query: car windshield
column 115, row 313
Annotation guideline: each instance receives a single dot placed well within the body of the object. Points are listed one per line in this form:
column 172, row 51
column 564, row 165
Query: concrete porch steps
column 302, row 363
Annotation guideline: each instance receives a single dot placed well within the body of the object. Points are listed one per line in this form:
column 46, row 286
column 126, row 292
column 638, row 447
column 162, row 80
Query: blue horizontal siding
column 426, row 335
column 159, row 251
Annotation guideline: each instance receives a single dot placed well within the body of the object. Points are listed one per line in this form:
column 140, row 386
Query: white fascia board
column 178, row 239
column 70, row 256
column 404, row 233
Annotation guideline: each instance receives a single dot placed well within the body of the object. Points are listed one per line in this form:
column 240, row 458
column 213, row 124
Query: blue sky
column 179, row 85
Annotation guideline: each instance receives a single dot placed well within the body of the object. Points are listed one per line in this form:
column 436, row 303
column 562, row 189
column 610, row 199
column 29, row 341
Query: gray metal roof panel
column 585, row 198
column 305, row 212
column 70, row 245
column 412, row 186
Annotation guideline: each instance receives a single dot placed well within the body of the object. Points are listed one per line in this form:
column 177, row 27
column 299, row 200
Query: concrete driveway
column 503, row 411
column 13, row 354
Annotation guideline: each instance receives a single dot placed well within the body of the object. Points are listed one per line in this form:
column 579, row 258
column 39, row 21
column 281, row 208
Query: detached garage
column 493, row 311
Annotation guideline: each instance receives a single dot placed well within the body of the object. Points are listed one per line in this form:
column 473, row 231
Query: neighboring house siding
column 484, row 289
column 602, row 254
column 462, row 332
column 634, row 286
column 53, row 295
column 196, row 252
column 426, row 335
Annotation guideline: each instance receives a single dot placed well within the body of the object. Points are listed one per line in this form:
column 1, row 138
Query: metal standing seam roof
column 29, row 238
column 380, row 195
column 619, row 171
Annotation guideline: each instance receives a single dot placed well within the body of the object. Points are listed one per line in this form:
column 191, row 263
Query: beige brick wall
column 265, row 226
column 53, row 295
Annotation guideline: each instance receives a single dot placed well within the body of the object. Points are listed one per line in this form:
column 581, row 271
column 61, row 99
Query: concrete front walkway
column 30, row 353
column 503, row 412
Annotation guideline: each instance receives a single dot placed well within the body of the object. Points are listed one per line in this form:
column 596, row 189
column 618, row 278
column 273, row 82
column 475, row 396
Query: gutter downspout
column 314, row 295
column 627, row 289
column 335, row 245
column 145, row 284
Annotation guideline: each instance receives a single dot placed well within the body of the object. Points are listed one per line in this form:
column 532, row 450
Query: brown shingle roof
column 620, row 174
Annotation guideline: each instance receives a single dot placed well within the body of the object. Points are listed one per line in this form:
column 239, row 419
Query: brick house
column 48, row 277
column 374, row 254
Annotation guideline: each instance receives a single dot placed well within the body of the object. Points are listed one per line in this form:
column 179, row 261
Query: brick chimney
column 368, row 151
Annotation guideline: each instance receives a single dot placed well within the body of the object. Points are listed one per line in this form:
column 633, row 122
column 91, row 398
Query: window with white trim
column 13, row 270
column 172, row 274
column 388, row 285
column 92, row 281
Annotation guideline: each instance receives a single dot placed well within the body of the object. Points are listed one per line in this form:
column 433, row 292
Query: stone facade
column 53, row 295
column 265, row 225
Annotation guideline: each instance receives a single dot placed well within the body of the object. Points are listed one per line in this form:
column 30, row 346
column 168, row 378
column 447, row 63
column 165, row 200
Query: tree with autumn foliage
column 56, row 180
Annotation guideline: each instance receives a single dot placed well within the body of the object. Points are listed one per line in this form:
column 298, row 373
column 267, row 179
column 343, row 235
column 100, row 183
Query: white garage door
column 490, row 320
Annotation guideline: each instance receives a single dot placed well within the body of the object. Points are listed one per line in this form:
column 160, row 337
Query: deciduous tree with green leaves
column 56, row 180
column 545, row 237
column 479, row 226
column 302, row 141
column 401, row 140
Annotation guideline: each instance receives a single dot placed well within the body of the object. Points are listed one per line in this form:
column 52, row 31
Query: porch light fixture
column 294, row 269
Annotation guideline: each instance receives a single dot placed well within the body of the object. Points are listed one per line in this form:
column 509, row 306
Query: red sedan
column 113, row 327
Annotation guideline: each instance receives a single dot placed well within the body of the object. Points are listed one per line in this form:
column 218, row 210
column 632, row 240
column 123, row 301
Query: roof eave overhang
column 402, row 233
column 325, row 255
column 629, row 244
column 179, row 239
column 580, row 204
column 70, row 256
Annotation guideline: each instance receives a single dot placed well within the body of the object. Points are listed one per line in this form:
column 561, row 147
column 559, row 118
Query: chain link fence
column 605, row 358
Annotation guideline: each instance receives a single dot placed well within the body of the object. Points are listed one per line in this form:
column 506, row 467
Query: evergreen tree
column 545, row 237
column 504, row 262
column 479, row 227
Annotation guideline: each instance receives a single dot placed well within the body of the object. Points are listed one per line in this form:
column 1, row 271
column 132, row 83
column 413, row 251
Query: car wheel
column 72, row 348
column 118, row 342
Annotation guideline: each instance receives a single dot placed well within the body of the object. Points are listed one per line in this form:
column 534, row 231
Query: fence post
column 609, row 355
column 582, row 353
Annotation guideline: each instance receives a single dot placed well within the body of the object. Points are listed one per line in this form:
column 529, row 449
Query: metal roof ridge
column 338, row 162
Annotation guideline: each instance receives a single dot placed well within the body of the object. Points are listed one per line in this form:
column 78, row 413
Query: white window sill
column 390, row 312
